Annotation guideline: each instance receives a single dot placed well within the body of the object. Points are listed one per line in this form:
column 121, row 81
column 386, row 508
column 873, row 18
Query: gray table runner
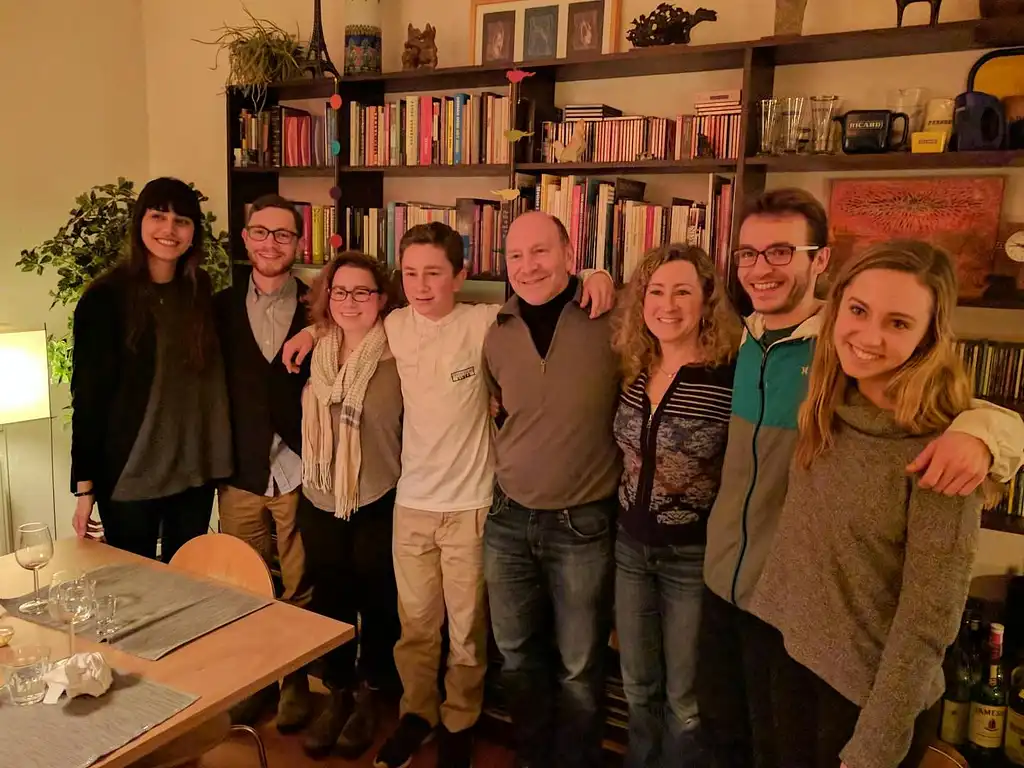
column 75, row 733
column 158, row 609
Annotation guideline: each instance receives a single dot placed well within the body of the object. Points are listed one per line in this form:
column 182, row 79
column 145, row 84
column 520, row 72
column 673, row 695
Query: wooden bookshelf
column 997, row 521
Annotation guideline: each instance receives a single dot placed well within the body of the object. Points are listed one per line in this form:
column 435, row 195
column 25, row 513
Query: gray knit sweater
column 868, row 576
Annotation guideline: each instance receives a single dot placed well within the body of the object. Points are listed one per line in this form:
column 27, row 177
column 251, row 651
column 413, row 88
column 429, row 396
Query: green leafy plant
column 93, row 240
column 258, row 55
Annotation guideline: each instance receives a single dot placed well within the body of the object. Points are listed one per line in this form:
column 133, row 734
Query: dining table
column 221, row 668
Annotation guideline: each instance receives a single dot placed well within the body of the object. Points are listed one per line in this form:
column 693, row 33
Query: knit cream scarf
column 329, row 383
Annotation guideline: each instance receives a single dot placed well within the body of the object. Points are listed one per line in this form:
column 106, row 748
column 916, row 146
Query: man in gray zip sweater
column 548, row 539
column 782, row 249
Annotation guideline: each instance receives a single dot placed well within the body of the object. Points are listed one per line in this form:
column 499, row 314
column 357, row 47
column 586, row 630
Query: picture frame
column 497, row 42
column 584, row 33
column 611, row 40
column 540, row 33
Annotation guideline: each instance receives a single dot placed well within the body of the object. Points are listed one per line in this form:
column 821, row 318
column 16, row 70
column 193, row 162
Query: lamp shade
column 24, row 377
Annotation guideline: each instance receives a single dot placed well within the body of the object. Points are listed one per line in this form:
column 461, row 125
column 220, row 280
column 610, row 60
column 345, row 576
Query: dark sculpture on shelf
column 901, row 6
column 420, row 50
column 667, row 25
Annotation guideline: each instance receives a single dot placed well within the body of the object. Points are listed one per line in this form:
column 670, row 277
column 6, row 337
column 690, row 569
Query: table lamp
column 24, row 396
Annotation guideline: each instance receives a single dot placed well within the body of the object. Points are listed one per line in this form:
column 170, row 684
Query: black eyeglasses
column 778, row 255
column 281, row 236
column 358, row 294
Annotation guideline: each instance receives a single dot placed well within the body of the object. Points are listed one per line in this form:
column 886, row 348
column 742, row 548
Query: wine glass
column 34, row 550
column 72, row 600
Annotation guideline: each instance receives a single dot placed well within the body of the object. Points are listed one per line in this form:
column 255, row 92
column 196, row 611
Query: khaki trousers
column 439, row 567
column 249, row 517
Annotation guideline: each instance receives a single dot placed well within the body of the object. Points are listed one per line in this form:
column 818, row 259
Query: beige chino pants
column 439, row 568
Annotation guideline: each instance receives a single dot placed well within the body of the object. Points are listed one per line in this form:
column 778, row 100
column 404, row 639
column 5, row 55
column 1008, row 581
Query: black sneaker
column 412, row 732
column 455, row 750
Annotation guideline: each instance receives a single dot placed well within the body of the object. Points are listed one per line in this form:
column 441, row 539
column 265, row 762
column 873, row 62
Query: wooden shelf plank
column 697, row 165
column 467, row 170
column 804, row 49
column 997, row 521
column 287, row 171
column 888, row 161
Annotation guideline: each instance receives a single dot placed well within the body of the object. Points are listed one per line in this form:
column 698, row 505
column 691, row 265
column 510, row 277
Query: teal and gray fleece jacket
column 770, row 385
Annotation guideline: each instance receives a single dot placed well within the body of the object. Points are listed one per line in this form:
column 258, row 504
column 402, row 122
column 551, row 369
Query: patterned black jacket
column 672, row 458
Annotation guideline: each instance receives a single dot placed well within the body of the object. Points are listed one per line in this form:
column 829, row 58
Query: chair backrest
column 225, row 558
column 940, row 755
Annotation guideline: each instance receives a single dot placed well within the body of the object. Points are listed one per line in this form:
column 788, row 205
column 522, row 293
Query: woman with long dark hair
column 150, row 430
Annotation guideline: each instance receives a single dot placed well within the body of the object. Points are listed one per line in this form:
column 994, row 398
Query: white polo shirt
column 447, row 461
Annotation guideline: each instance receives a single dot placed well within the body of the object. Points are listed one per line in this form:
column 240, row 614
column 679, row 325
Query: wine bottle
column 1013, row 746
column 956, row 701
column 988, row 703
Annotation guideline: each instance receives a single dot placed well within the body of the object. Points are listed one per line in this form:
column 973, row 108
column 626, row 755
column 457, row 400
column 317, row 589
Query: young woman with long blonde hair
column 868, row 573
column 677, row 338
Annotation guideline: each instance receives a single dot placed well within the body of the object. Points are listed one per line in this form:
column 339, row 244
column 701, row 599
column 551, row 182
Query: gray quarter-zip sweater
column 555, row 448
column 868, row 576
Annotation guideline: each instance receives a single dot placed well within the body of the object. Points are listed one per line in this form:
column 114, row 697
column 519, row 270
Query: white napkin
column 83, row 673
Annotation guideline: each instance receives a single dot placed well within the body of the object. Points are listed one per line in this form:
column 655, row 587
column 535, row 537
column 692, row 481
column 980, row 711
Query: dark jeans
column 349, row 565
column 135, row 526
column 814, row 721
column 657, row 616
column 549, row 576
column 737, row 668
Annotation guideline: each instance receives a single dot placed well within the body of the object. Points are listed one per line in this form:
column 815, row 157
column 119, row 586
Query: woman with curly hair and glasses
column 677, row 338
column 351, row 457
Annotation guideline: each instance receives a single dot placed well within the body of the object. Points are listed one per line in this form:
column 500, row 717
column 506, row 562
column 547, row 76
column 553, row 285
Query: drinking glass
column 769, row 126
column 24, row 670
column 911, row 102
column 823, row 109
column 106, row 615
column 793, row 119
column 34, row 551
column 72, row 600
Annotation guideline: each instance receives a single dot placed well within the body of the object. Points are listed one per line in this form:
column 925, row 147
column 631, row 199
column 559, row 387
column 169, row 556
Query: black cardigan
column 265, row 399
column 110, row 382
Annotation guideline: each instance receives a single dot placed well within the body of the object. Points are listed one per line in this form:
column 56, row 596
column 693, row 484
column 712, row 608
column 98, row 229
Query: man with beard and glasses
column 782, row 250
column 254, row 318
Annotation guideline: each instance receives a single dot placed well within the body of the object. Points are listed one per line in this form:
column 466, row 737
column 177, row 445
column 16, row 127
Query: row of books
column 283, row 136
column 611, row 226
column 378, row 231
column 996, row 369
column 431, row 130
column 1013, row 502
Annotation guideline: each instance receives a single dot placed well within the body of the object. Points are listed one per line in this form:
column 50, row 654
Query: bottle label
column 955, row 720
column 987, row 725
column 1014, row 746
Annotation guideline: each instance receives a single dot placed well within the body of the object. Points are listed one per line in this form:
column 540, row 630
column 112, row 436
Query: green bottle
column 988, row 703
column 1014, row 745
column 956, row 701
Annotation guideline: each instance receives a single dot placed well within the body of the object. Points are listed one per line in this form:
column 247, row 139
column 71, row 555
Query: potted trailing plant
column 259, row 54
column 91, row 242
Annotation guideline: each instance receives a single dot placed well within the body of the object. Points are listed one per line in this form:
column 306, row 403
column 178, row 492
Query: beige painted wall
column 74, row 81
column 161, row 111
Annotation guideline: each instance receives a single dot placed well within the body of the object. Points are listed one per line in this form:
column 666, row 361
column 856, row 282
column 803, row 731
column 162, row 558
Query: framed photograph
column 584, row 34
column 599, row 29
column 497, row 43
column 540, row 33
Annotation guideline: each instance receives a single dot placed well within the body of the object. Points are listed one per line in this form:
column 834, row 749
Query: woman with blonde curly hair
column 868, row 572
column 677, row 338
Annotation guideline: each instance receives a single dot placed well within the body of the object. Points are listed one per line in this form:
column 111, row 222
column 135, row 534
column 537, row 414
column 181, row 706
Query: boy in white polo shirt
column 443, row 495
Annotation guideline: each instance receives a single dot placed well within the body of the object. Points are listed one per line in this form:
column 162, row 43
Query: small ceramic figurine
column 901, row 6
column 420, row 50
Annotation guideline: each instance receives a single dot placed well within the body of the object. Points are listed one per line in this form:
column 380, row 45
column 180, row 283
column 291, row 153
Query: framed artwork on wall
column 541, row 29
column 498, row 39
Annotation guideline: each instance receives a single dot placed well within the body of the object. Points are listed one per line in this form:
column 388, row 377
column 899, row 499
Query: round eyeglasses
column 357, row 294
column 778, row 255
column 281, row 236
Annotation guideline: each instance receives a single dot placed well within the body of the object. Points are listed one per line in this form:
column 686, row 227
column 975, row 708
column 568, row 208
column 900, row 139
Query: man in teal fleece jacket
column 781, row 252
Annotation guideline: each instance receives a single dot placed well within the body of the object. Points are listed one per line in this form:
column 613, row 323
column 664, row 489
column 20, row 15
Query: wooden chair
column 225, row 558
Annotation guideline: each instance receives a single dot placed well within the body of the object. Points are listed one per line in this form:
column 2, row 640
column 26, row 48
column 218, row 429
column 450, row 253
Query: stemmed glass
column 72, row 599
column 34, row 550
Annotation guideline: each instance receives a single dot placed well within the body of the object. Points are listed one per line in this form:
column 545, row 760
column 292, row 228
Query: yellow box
column 923, row 142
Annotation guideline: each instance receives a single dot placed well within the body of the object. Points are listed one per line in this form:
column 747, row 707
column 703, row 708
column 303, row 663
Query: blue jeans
column 657, row 617
column 549, row 577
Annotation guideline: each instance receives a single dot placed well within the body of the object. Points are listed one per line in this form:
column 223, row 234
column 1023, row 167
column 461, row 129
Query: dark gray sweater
column 867, row 578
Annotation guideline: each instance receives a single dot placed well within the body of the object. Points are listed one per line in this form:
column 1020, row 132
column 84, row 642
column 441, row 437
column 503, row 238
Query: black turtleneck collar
column 542, row 319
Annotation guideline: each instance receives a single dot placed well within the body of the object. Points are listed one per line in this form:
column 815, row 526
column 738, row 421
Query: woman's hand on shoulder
column 295, row 350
